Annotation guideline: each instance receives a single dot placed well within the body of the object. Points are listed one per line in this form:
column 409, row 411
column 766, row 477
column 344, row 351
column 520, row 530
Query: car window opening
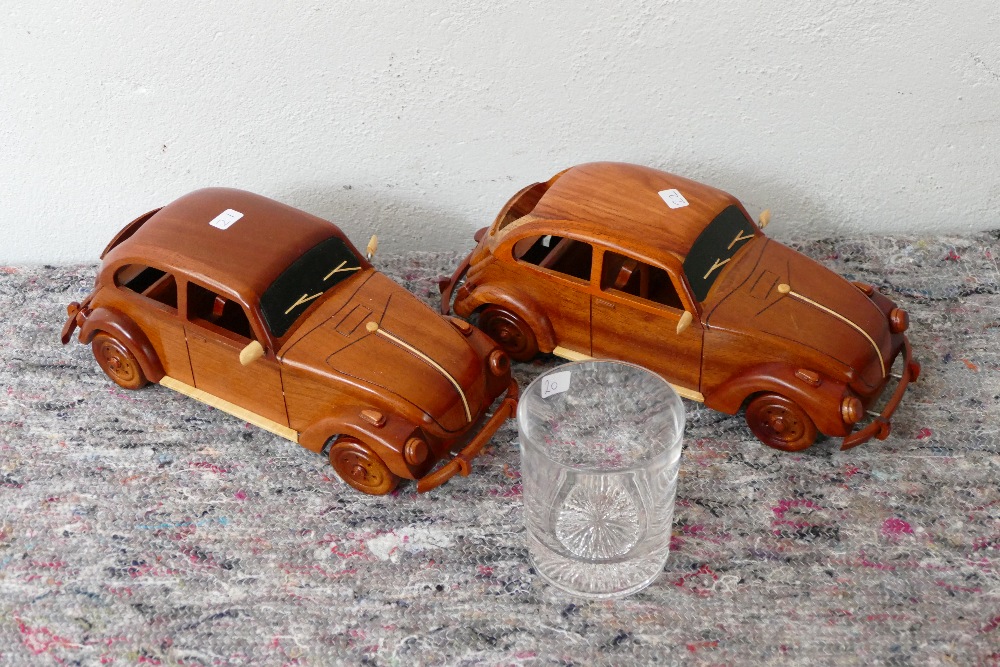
column 305, row 281
column 151, row 283
column 523, row 204
column 647, row 282
column 205, row 307
column 555, row 253
column 712, row 251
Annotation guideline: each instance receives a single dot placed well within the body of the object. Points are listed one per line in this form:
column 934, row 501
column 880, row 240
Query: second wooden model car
column 271, row 314
column 625, row 262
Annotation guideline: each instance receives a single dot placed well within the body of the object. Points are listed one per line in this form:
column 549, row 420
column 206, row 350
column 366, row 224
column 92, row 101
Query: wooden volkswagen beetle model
column 621, row 261
column 271, row 314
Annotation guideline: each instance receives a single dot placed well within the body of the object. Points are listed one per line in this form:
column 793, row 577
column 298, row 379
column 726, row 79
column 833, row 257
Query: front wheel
column 510, row 332
column 117, row 361
column 780, row 423
column 361, row 467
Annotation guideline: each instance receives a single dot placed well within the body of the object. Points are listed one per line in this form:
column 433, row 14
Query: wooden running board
column 683, row 392
column 233, row 409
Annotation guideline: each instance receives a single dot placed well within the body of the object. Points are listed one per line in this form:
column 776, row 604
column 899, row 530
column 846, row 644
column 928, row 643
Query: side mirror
column 372, row 247
column 765, row 217
column 684, row 322
column 251, row 353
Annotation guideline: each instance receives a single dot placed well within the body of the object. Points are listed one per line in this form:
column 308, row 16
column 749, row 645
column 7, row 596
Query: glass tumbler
column 600, row 450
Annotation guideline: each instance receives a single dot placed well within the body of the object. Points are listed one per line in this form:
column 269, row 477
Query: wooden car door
column 218, row 329
column 149, row 296
column 635, row 319
column 556, row 273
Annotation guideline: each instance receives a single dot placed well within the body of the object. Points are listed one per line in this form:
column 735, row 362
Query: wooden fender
column 128, row 332
column 387, row 440
column 821, row 403
column 520, row 304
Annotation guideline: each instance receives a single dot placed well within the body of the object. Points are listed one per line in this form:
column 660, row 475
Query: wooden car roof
column 620, row 204
column 246, row 256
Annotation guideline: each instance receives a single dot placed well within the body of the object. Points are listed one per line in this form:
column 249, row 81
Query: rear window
column 150, row 282
column 556, row 253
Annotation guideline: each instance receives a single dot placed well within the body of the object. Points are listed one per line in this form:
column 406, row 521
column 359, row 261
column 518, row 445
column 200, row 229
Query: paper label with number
column 556, row 383
column 226, row 219
column 673, row 198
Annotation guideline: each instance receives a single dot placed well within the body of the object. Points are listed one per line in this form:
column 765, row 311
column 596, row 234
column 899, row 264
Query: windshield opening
column 715, row 247
column 326, row 265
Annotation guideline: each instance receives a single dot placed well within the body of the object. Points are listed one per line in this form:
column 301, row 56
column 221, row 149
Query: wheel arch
column 128, row 332
column 522, row 305
column 821, row 403
column 387, row 440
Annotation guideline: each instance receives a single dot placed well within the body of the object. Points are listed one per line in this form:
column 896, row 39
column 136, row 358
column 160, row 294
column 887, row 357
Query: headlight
column 415, row 451
column 499, row 363
column 899, row 320
column 851, row 409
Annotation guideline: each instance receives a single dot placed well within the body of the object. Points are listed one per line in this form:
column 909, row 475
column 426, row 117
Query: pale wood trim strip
column 436, row 365
column 224, row 405
column 683, row 392
column 790, row 292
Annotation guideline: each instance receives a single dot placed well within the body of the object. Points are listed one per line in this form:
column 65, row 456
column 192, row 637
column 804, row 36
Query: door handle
column 606, row 304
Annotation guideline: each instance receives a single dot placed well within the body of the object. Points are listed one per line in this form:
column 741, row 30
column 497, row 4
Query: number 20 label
column 556, row 383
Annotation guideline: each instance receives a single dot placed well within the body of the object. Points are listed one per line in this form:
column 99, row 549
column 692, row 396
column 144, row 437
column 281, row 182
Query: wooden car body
column 346, row 359
column 620, row 261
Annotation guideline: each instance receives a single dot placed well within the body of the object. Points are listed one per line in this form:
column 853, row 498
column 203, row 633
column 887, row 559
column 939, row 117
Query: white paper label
column 674, row 198
column 226, row 219
column 556, row 383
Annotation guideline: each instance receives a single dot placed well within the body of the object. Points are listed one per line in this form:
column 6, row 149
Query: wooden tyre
column 117, row 361
column 780, row 423
column 362, row 468
column 510, row 332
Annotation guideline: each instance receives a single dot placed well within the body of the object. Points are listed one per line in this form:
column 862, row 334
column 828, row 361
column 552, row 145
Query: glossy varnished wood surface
column 772, row 320
column 364, row 360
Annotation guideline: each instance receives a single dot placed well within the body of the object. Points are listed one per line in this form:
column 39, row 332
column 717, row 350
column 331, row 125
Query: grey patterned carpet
column 148, row 528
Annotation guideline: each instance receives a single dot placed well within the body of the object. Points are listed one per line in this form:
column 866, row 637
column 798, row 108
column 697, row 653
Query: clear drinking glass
column 600, row 450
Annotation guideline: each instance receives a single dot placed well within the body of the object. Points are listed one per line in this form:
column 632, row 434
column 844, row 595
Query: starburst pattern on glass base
column 598, row 519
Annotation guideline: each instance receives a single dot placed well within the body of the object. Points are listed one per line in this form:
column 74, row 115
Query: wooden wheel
column 510, row 332
column 780, row 423
column 360, row 467
column 117, row 361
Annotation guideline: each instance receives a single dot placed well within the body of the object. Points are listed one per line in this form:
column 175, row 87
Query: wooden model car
column 625, row 262
column 271, row 314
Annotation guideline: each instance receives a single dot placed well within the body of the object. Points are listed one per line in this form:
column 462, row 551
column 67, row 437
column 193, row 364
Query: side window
column 217, row 313
column 556, row 253
column 151, row 283
column 630, row 276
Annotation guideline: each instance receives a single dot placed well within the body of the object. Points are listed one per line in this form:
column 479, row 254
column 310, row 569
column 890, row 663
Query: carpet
column 144, row 527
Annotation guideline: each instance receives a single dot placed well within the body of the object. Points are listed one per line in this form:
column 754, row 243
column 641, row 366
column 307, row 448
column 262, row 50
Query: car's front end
column 827, row 344
column 382, row 367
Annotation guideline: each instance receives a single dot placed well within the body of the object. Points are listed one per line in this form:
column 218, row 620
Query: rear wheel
column 780, row 423
column 510, row 332
column 361, row 467
column 117, row 361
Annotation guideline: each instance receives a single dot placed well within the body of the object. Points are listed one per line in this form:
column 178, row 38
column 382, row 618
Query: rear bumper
column 461, row 463
column 447, row 286
column 881, row 425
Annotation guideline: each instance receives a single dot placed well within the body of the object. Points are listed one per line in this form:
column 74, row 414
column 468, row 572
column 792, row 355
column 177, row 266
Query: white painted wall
column 417, row 120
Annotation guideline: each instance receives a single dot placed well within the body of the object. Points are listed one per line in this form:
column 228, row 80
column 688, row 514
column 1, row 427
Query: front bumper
column 881, row 425
column 461, row 463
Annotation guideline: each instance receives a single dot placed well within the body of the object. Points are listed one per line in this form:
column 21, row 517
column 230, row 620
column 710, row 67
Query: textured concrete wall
column 418, row 120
